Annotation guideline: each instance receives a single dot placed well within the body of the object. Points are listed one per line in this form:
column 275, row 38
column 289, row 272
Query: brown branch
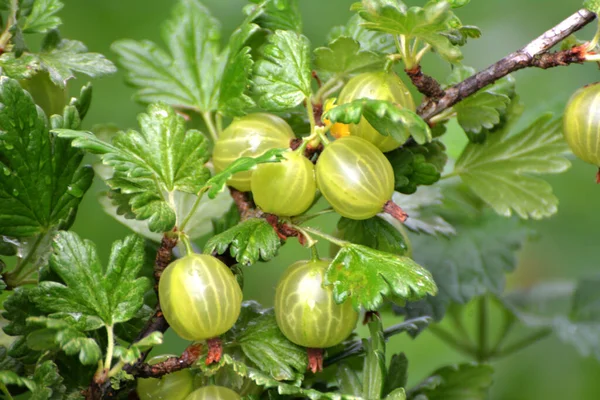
column 171, row 364
column 425, row 83
column 532, row 55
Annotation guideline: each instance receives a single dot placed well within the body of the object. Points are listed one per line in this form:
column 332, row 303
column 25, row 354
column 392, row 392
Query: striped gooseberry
column 376, row 86
column 355, row 177
column 306, row 311
column 285, row 188
column 249, row 136
column 174, row 386
column 581, row 124
column 199, row 296
column 213, row 393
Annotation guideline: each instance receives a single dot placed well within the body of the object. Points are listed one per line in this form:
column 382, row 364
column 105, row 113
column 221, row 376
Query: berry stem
column 395, row 211
column 315, row 360
column 215, row 350
column 327, row 237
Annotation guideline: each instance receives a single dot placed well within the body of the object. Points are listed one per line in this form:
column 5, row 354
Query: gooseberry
column 355, row 177
column 213, row 393
column 285, row 188
column 376, row 86
column 174, row 386
column 249, row 136
column 306, row 312
column 199, row 296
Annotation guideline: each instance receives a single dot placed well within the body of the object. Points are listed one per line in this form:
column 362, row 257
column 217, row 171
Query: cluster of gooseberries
column 199, row 295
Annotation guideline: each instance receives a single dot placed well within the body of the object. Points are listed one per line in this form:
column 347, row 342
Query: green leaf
column 366, row 275
column 348, row 380
column 188, row 76
column 151, row 165
column 45, row 383
column 131, row 354
column 248, row 242
column 592, row 5
column 417, row 165
column 228, row 220
column 264, row 344
column 377, row 233
column 216, row 184
column 282, row 77
column 17, row 308
column 398, row 394
column 386, row 117
column 457, row 382
column 41, row 183
column 277, row 14
column 500, row 170
column 19, row 68
column 343, row 56
column 428, row 24
column 42, row 17
column 423, row 217
column 397, row 375
column 113, row 294
column 374, row 370
column 66, row 57
column 369, row 40
column 52, row 334
column 9, row 363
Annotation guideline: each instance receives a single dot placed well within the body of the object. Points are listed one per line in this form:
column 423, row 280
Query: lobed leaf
column 42, row 16
column 377, row 233
column 131, row 354
column 416, row 165
column 343, row 56
column 276, row 14
column 456, row 382
column 369, row 40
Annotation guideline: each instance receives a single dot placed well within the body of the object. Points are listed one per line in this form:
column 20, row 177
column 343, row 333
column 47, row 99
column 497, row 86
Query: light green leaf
column 282, row 77
column 500, row 170
column 386, row 117
column 131, row 354
column 348, row 380
column 369, row 40
column 276, row 14
column 42, row 17
column 19, row 68
column 377, row 233
column 366, row 275
column 374, row 369
column 397, row 376
column 456, row 382
column 398, row 394
column 151, row 165
column 592, row 5
column 482, row 110
column 343, row 56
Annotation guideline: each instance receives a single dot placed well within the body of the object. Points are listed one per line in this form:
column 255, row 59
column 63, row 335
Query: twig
column 425, row 83
column 171, row 364
column 532, row 55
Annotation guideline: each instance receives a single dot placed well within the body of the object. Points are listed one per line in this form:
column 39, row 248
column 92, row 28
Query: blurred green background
column 567, row 247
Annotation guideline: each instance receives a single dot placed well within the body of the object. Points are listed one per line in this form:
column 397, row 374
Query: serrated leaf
column 277, row 14
column 282, row 77
column 369, row 40
column 113, row 294
column 428, row 23
column 62, row 60
column 500, row 170
column 153, row 164
column 377, row 233
column 19, row 68
column 248, row 242
column 216, row 184
column 457, row 382
column 422, row 214
column 417, row 165
column 374, row 370
column 592, row 5
column 41, row 183
column 48, row 382
column 264, row 344
column 17, row 308
column 189, row 74
column 343, row 56
column 9, row 363
column 482, row 110
column 366, row 275
column 131, row 354
column 386, row 117
column 42, row 17
column 397, row 375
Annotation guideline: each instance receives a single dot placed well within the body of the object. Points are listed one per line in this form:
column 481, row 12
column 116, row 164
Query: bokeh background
column 568, row 242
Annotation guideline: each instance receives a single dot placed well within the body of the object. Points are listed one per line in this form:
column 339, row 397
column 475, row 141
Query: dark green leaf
column 343, row 56
column 417, row 165
column 41, row 183
column 218, row 182
column 45, row 383
column 365, row 275
column 348, row 380
column 9, row 363
column 248, row 241
column 397, row 374
column 457, row 382
column 376, row 233
column 423, row 217
column 282, row 77
column 369, row 40
column 151, row 165
column 189, row 74
column 277, row 14
column 500, row 170
column 114, row 295
column 374, row 370
column 264, row 344
column 17, row 308
column 386, row 117
column 42, row 17
column 228, row 220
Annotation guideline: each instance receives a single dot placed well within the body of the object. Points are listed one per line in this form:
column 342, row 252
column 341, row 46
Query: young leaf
column 189, row 74
column 386, row 117
column 113, row 294
column 427, row 24
column 376, row 233
column 65, row 57
column 131, row 354
column 216, row 184
column 374, row 370
column 416, row 165
column 592, row 5
column 42, row 17
column 366, row 275
column 343, row 56
column 456, row 382
column 348, row 380
column 397, row 374
column 41, row 183
column 264, row 344
column 152, row 165
column 369, row 40
column 277, row 14
column 249, row 241
column 499, row 170
column 423, row 215
column 398, row 394
column 282, row 77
